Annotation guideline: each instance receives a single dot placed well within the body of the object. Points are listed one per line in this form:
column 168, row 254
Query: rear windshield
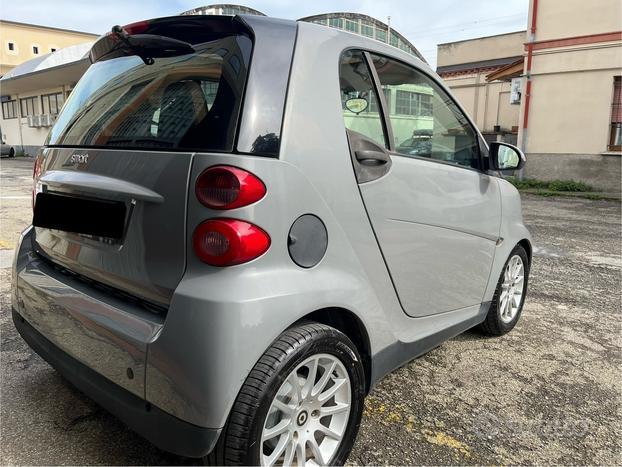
column 187, row 102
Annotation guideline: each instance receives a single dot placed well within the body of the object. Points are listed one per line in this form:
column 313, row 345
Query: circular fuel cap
column 307, row 241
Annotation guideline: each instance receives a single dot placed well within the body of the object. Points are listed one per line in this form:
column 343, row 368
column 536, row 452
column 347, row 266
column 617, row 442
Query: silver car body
column 405, row 297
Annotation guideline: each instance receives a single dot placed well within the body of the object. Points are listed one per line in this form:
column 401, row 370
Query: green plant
column 554, row 185
column 569, row 185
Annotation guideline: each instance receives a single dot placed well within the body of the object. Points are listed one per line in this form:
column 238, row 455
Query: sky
column 425, row 23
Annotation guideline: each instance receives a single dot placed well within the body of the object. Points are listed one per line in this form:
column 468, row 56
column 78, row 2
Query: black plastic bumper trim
column 162, row 429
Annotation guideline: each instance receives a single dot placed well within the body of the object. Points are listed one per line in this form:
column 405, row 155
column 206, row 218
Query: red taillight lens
column 225, row 242
column 136, row 28
column 226, row 187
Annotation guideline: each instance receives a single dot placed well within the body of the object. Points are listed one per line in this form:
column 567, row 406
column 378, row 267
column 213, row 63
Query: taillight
column 226, row 187
column 136, row 28
column 225, row 242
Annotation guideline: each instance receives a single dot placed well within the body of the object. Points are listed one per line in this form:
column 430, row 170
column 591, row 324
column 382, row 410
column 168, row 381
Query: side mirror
column 504, row 156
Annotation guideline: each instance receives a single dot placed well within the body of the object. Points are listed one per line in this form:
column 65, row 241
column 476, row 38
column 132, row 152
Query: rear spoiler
column 164, row 37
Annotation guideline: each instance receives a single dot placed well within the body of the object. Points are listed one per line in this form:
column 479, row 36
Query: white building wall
column 16, row 131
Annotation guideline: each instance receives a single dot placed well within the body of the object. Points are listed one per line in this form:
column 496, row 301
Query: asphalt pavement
column 549, row 392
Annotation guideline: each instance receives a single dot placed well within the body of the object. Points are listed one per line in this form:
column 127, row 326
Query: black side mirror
column 504, row 156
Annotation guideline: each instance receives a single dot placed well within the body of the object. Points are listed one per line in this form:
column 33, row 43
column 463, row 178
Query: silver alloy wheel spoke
column 308, row 416
column 512, row 289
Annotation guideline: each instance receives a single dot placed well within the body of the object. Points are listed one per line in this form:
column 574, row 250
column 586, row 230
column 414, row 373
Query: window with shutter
column 615, row 134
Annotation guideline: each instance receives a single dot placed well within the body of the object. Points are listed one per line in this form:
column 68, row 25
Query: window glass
column 51, row 103
column 188, row 102
column 357, row 86
column 425, row 120
column 28, row 106
column 615, row 134
column 367, row 30
column 352, row 26
column 9, row 110
column 336, row 23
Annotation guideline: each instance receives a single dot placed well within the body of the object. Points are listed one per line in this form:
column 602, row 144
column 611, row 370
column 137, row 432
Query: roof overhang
column 57, row 76
column 506, row 73
column 479, row 66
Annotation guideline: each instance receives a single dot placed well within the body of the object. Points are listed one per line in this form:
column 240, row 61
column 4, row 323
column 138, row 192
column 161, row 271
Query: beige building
column 571, row 125
column 20, row 42
column 569, row 117
column 466, row 66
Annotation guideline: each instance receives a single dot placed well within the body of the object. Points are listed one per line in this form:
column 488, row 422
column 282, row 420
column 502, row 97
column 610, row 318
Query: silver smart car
column 242, row 224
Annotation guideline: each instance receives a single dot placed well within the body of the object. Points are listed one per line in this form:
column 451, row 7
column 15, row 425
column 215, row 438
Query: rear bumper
column 162, row 429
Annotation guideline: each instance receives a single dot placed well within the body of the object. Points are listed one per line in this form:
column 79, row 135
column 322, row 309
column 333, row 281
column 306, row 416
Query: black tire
column 239, row 443
column 493, row 325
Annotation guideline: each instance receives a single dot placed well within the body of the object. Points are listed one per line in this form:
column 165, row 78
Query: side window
column 424, row 119
column 361, row 111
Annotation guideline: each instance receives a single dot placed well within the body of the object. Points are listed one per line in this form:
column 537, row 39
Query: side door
column 435, row 212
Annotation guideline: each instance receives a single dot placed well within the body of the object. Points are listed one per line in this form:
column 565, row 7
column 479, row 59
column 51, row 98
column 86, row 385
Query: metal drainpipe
column 532, row 39
column 19, row 122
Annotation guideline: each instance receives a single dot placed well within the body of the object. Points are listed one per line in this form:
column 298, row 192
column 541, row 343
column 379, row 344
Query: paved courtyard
column 550, row 392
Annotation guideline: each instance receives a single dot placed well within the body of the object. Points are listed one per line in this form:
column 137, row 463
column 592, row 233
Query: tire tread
column 232, row 446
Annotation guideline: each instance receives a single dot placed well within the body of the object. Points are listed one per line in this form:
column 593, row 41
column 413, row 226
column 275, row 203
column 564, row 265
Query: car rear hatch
column 112, row 181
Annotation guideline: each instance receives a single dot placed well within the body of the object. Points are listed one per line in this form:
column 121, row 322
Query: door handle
column 371, row 157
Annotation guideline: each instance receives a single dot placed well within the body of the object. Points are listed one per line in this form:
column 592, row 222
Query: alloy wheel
column 309, row 414
column 512, row 289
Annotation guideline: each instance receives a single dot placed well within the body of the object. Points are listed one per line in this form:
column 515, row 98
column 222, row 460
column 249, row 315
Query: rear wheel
column 507, row 303
column 301, row 403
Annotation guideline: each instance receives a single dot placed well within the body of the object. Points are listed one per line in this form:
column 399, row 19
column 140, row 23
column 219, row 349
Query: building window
column 11, row 46
column 28, row 106
column 352, row 26
column 367, row 30
column 35, row 49
column 51, row 103
column 394, row 39
column 413, row 103
column 381, row 35
column 52, row 49
column 9, row 109
column 615, row 134
column 373, row 105
column 425, row 105
column 336, row 23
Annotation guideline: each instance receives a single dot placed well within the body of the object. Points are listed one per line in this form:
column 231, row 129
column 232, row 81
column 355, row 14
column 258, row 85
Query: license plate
column 102, row 218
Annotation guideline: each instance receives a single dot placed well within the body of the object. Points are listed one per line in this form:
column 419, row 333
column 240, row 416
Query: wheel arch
column 352, row 326
column 526, row 244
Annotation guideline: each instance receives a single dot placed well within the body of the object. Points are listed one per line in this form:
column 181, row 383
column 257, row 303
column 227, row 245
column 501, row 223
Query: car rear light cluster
column 226, row 241
column 225, row 187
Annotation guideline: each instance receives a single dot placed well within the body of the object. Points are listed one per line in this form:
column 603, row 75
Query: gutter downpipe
column 19, row 122
column 532, row 39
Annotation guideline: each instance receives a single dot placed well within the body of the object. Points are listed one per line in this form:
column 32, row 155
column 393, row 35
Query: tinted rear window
column 187, row 102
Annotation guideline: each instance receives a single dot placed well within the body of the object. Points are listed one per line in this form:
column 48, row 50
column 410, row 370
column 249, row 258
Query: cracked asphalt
column 549, row 392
